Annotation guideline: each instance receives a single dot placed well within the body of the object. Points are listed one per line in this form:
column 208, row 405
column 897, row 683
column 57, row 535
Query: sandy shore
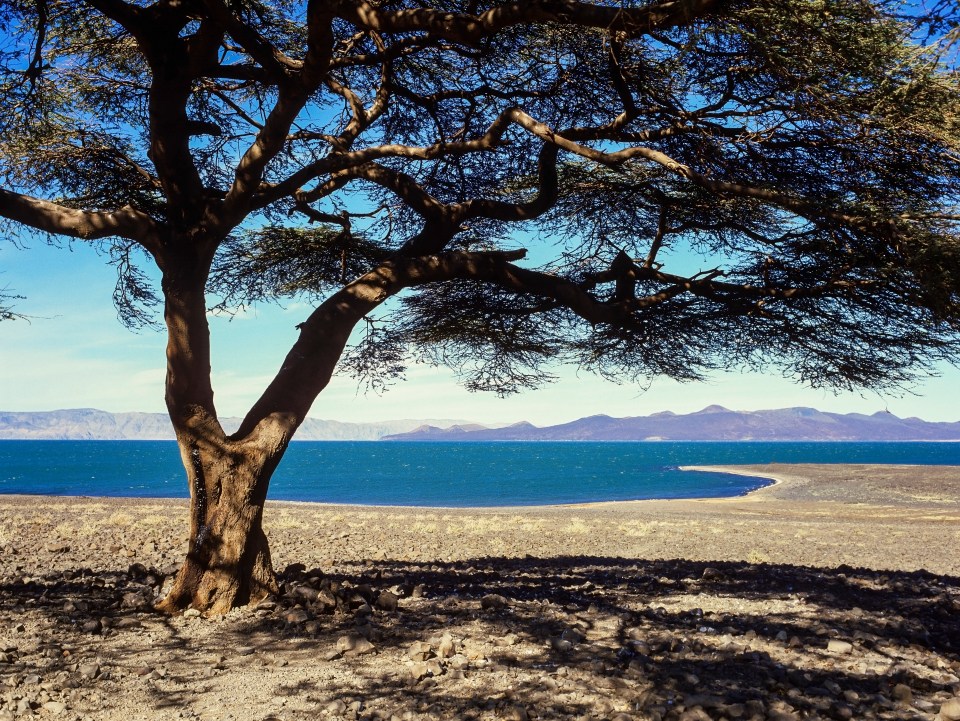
column 804, row 599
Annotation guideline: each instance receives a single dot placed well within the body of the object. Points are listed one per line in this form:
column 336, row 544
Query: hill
column 92, row 424
column 713, row 423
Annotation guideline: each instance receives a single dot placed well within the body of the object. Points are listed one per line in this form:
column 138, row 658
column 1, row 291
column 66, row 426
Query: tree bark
column 228, row 561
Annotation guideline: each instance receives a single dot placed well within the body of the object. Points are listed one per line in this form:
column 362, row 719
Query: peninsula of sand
column 833, row 593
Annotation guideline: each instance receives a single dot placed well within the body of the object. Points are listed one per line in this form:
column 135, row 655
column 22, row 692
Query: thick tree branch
column 50, row 217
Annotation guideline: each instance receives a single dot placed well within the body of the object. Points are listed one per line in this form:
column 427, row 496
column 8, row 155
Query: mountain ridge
column 94, row 424
column 714, row 423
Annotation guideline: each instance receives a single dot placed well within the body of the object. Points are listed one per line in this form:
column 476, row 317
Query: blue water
column 443, row 474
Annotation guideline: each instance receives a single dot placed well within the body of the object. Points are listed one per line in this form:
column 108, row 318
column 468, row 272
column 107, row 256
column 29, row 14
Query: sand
column 832, row 593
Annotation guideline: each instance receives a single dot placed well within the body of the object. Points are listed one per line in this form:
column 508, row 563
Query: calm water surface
column 443, row 474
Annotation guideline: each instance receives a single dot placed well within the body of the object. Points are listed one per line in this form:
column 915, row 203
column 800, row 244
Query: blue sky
column 74, row 353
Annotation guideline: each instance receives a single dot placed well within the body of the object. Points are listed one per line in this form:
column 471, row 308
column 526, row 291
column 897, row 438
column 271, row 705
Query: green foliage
column 273, row 263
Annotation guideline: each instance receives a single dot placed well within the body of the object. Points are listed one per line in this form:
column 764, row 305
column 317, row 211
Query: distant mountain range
column 713, row 423
column 91, row 424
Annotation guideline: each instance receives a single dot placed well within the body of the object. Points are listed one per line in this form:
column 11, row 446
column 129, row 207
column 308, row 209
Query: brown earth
column 806, row 599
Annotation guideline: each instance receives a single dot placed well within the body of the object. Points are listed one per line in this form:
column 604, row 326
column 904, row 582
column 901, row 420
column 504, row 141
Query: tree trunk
column 228, row 561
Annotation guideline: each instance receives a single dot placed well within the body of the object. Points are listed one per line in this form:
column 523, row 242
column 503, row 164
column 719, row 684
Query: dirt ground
column 832, row 594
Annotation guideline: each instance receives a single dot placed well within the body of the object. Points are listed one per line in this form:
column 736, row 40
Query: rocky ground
column 805, row 600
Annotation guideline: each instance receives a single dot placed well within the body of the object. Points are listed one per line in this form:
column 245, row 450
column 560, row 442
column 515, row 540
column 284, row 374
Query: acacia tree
column 354, row 151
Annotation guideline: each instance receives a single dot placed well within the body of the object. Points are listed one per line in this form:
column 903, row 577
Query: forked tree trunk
column 228, row 561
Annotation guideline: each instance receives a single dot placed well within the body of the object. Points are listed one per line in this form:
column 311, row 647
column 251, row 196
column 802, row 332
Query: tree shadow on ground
column 513, row 638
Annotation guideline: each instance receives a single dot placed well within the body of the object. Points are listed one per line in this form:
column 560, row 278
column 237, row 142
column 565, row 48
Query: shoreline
column 905, row 517
column 777, row 477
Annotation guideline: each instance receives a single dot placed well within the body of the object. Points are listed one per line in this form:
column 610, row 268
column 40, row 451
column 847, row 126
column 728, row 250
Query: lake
column 444, row 474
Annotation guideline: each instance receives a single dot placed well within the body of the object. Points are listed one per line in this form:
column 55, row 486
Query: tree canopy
column 805, row 151
column 640, row 188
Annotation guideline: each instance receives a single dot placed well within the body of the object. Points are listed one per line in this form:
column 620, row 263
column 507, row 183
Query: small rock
column 447, row 647
column 516, row 713
column 851, row 696
column 354, row 644
column 336, row 707
column 841, row 647
column 24, row 706
column 92, row 626
column 305, row 592
column 387, row 601
column 493, row 601
column 712, row 573
column 903, row 693
column 419, row 651
column 191, row 613
column 459, row 661
column 950, row 709
column 134, row 600
column 89, row 670
column 55, row 707
column 418, row 671
column 58, row 547
column 296, row 615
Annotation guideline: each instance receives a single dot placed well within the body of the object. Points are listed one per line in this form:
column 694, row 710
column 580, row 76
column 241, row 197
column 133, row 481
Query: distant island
column 713, row 423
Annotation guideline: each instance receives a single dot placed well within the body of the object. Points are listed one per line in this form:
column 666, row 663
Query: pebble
column 493, row 601
column 903, row 693
column 354, row 644
column 419, row 651
column 446, row 647
column 191, row 613
column 387, row 601
column 841, row 647
column 950, row 709
column 336, row 707
column 516, row 713
column 89, row 670
column 297, row 615
column 55, row 707
column 305, row 592
column 418, row 671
